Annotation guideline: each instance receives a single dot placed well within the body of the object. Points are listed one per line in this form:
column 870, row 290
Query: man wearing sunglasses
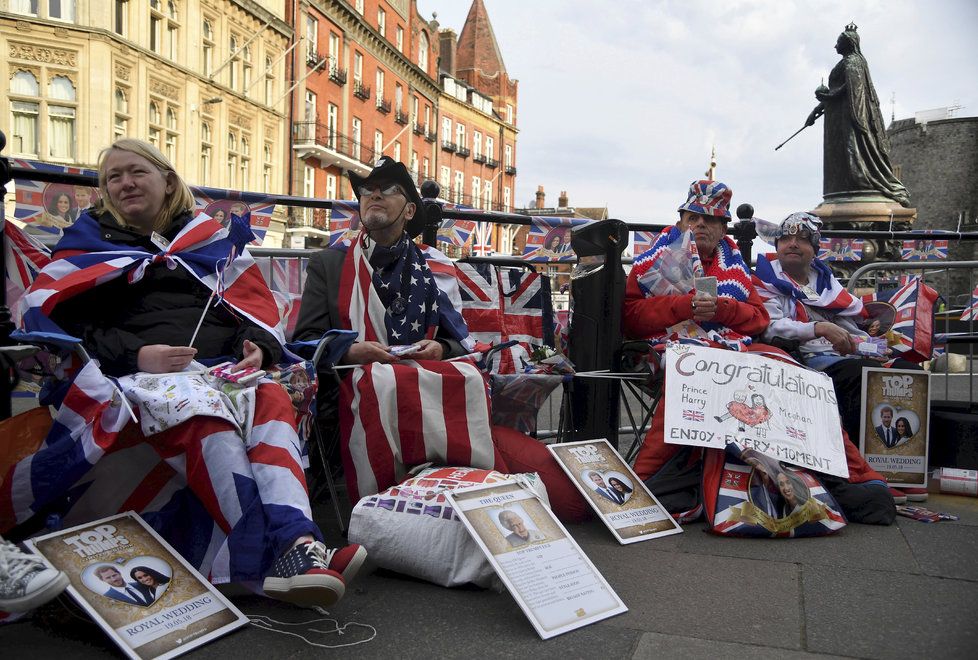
column 809, row 305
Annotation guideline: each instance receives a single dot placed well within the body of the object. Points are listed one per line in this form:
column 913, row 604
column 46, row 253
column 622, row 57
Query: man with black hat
column 394, row 299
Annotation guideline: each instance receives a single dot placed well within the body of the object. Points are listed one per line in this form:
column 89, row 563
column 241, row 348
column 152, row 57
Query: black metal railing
column 400, row 118
column 430, row 137
column 337, row 75
column 383, row 105
column 463, row 151
column 360, row 90
column 323, row 135
column 313, row 58
column 492, row 162
column 478, row 158
column 448, row 146
column 419, row 129
column 511, row 169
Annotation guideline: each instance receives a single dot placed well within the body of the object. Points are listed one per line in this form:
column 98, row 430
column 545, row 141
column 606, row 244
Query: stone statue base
column 834, row 212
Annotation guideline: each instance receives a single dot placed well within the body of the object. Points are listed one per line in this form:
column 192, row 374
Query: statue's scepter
column 793, row 135
column 816, row 113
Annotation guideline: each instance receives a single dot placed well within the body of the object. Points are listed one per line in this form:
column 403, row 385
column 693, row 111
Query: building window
column 459, row 192
column 61, row 118
column 414, row 164
column 121, row 25
column 310, row 106
column 359, row 6
column 155, row 27
column 445, row 181
column 233, row 64
column 269, row 82
column 423, row 52
column 357, row 67
column 509, row 113
column 380, row 87
column 155, row 128
column 357, row 130
column 245, row 69
column 398, row 99
column 308, row 190
column 477, row 143
column 245, row 163
column 312, row 40
column 397, row 151
column 172, row 30
column 378, row 144
column 490, row 149
column 399, row 38
column 460, row 135
column 171, row 135
column 206, row 150
column 121, row 125
column 334, row 52
column 58, row 10
column 332, row 120
column 25, row 114
column 476, row 192
column 382, row 22
column 232, row 164
column 208, row 48
column 267, row 165
column 506, row 199
column 508, row 155
column 426, row 167
column 330, row 186
column 487, row 196
column 446, row 129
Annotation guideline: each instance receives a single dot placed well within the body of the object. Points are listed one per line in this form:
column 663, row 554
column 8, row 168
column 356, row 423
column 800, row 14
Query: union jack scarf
column 771, row 281
column 733, row 278
column 84, row 260
column 422, row 293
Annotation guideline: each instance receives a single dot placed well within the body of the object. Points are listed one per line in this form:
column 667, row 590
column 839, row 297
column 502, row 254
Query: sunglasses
column 385, row 191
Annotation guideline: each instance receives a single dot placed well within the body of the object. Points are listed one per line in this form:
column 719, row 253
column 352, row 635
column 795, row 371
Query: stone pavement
column 905, row 591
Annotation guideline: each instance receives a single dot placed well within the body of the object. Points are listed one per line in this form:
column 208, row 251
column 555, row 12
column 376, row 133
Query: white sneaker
column 26, row 582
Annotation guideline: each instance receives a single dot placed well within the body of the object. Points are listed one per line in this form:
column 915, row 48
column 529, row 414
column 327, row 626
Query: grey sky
column 620, row 102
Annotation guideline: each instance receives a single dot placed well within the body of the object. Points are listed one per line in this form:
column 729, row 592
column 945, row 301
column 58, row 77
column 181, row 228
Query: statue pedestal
column 838, row 211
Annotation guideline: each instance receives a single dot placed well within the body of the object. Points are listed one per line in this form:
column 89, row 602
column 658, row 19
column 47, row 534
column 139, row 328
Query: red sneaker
column 899, row 497
column 347, row 561
column 302, row 577
column 916, row 494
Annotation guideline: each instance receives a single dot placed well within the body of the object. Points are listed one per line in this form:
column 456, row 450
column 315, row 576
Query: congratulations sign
column 787, row 412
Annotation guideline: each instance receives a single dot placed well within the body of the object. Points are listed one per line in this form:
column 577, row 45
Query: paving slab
column 944, row 549
column 878, row 614
column 664, row 647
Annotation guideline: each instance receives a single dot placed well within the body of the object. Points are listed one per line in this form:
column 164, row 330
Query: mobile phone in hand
column 705, row 286
column 401, row 351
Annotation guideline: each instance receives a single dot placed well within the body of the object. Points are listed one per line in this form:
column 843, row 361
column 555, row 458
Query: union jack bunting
column 549, row 238
column 749, row 505
column 642, row 241
column 396, row 416
column 344, row 223
column 84, row 261
column 212, row 505
column 503, row 306
column 840, row 249
column 50, row 207
column 221, row 204
column 923, row 250
column 971, row 311
column 24, row 258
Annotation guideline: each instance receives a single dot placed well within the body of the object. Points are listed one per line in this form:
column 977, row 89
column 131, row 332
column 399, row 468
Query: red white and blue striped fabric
column 771, row 281
column 24, row 258
column 971, row 311
column 84, row 260
column 396, row 416
column 230, row 505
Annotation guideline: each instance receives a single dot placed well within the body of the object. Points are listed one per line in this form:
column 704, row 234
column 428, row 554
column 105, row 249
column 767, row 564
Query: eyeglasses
column 386, row 191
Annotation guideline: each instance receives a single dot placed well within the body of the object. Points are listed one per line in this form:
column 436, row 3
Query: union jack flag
column 549, row 238
column 344, row 223
column 24, row 258
column 84, row 261
column 841, row 249
column 923, row 250
column 503, row 306
column 214, row 515
column 221, row 204
column 642, row 241
column 797, row 434
column 456, row 232
column 285, row 277
column 971, row 311
column 693, row 415
column 483, row 239
column 913, row 318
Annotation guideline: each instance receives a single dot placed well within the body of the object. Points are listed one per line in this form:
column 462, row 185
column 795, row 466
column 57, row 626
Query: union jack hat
column 800, row 223
column 708, row 198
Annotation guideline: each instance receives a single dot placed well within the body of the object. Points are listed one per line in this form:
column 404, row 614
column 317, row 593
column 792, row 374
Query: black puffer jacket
column 114, row 320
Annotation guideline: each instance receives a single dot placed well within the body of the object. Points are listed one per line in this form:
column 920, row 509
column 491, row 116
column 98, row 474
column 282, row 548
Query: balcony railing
column 448, row 146
column 419, row 129
column 492, row 162
column 511, row 169
column 383, row 105
column 337, row 75
column 313, row 58
column 463, row 152
column 360, row 90
column 308, row 133
column 478, row 158
column 400, row 117
column 430, row 137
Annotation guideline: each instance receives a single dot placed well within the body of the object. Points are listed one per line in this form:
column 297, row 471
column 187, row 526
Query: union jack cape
column 84, row 260
column 771, row 281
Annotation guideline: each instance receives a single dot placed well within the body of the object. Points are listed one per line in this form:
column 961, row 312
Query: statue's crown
column 851, row 27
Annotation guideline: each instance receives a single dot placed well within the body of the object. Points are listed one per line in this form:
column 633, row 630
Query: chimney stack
column 541, row 198
column 447, row 45
column 562, row 200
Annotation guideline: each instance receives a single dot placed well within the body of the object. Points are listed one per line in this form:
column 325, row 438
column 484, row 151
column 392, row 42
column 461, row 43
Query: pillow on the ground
column 410, row 528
